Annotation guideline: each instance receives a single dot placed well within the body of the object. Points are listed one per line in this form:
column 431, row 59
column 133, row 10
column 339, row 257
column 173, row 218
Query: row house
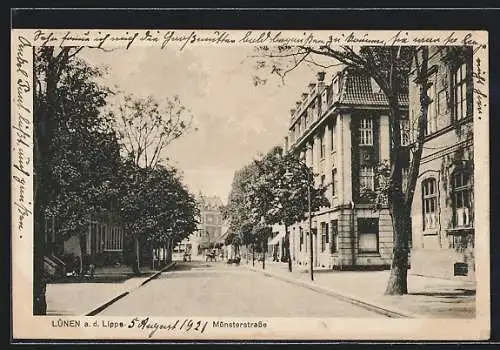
column 443, row 206
column 340, row 129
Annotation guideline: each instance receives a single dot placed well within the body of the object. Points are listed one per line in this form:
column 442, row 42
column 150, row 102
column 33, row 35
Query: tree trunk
column 253, row 254
column 287, row 248
column 263, row 257
column 398, row 284
column 136, row 267
column 39, row 280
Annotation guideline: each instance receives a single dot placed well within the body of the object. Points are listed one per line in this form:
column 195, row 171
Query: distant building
column 443, row 205
column 340, row 129
column 211, row 226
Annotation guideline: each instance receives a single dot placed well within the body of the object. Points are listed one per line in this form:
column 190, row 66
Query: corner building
column 340, row 129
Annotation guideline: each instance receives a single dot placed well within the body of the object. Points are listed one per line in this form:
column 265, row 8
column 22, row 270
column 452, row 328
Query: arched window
column 430, row 203
column 462, row 198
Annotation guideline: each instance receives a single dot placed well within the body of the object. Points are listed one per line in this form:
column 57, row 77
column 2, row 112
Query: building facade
column 211, row 224
column 102, row 244
column 340, row 130
column 443, row 205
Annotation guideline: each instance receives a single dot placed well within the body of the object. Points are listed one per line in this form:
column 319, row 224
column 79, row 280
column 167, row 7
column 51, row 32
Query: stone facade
column 340, row 130
column 443, row 210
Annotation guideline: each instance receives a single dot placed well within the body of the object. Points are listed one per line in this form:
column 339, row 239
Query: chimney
column 321, row 76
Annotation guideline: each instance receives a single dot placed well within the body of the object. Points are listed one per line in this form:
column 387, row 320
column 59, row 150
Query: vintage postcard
column 250, row 185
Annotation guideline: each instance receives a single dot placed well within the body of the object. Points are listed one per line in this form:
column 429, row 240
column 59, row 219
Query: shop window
column 430, row 203
column 368, row 232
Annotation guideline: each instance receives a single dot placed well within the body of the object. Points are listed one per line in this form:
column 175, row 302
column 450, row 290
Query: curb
column 385, row 310
column 102, row 307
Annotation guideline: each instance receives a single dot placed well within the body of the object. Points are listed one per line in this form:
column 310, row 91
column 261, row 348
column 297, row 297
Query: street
column 199, row 288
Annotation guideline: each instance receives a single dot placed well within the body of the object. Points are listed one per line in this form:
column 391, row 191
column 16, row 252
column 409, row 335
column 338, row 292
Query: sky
column 235, row 120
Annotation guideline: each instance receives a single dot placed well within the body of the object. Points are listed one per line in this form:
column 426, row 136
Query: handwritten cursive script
column 22, row 128
column 185, row 325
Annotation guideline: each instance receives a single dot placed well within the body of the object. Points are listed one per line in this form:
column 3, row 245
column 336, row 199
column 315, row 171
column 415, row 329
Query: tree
column 272, row 190
column 66, row 104
column 389, row 67
column 289, row 180
column 155, row 206
column 146, row 127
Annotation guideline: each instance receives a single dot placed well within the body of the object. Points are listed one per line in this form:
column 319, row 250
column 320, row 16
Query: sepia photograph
column 267, row 184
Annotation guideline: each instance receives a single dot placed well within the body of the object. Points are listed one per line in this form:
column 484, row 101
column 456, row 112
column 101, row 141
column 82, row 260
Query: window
column 94, row 246
column 335, row 88
column 366, row 132
column 375, row 87
column 404, row 184
column 312, row 160
column 324, row 234
column 460, row 92
column 334, row 231
column 322, row 181
column 431, row 110
column 405, row 132
column 334, row 182
column 366, row 178
column 368, row 235
column 327, row 233
column 332, row 138
column 319, row 106
column 114, row 239
column 322, row 149
column 462, row 201
column 430, row 203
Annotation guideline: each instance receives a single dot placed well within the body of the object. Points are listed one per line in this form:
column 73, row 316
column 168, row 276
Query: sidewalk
column 72, row 297
column 427, row 296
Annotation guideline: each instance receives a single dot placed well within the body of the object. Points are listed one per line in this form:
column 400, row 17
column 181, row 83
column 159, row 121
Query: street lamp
column 307, row 171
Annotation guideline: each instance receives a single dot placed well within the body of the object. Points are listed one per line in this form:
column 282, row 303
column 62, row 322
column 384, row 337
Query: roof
column 209, row 203
column 357, row 90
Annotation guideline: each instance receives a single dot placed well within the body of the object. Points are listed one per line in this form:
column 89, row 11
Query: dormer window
column 375, row 87
column 335, row 87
